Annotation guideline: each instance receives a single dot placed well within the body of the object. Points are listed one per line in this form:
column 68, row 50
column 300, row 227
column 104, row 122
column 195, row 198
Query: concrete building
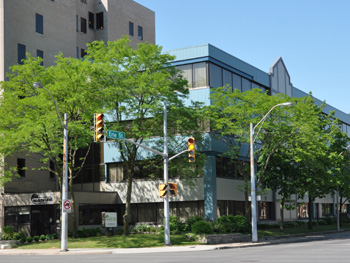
column 44, row 28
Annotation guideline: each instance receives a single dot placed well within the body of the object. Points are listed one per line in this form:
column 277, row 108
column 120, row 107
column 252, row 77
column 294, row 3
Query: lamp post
column 252, row 170
column 64, row 215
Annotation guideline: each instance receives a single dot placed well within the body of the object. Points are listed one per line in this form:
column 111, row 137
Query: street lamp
column 64, row 214
column 252, row 170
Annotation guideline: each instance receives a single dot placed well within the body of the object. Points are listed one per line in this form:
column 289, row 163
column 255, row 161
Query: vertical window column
column 140, row 32
column 83, row 26
column 21, row 163
column 39, row 24
column 131, row 29
column 21, row 53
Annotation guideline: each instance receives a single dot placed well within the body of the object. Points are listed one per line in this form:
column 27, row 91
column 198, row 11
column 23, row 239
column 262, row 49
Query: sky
column 311, row 36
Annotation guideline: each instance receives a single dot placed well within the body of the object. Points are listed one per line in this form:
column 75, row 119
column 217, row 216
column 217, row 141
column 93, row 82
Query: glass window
column 83, row 23
column 40, row 54
column 77, row 23
column 199, row 75
column 21, row 53
column 91, row 20
column 246, row 85
column 21, row 163
column 82, row 53
column 115, row 172
column 99, row 20
column 23, row 217
column 140, row 32
column 227, row 78
column 186, row 72
column 131, row 29
column 39, row 24
column 215, row 76
column 237, row 82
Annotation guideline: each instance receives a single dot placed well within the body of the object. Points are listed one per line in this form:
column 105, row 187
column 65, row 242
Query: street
column 334, row 248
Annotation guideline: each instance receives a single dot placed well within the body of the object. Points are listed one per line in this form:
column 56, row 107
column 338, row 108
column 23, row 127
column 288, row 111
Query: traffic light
column 173, row 189
column 191, row 150
column 162, row 190
column 99, row 123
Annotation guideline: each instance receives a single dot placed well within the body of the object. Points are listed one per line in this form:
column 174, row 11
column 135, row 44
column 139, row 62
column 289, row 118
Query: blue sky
column 311, row 36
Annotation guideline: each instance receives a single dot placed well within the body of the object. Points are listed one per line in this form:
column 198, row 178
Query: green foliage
column 192, row 220
column 29, row 239
column 231, row 224
column 43, row 237
column 20, row 235
column 176, row 226
column 202, row 227
column 36, row 238
column 7, row 233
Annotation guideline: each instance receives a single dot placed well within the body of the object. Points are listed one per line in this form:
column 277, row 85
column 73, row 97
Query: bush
column 55, row 236
column 29, row 239
column 19, row 235
column 43, row 237
column 231, row 224
column 7, row 233
column 141, row 228
column 36, row 238
column 49, row 237
column 22, row 240
column 191, row 221
column 202, row 227
column 175, row 225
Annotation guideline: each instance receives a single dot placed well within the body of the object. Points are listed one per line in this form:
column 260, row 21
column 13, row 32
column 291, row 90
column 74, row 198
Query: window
column 215, row 76
column 131, row 28
column 21, row 53
column 99, row 20
column 199, row 74
column 82, row 53
column 140, row 32
column 91, row 20
column 77, row 52
column 77, row 23
column 40, row 54
column 39, row 24
column 186, row 71
column 83, row 23
column 237, row 82
column 246, row 85
column 21, row 163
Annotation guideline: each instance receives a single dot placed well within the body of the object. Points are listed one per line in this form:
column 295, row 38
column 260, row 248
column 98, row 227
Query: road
column 333, row 249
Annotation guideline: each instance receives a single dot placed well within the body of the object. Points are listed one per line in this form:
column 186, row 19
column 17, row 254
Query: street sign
column 109, row 219
column 67, row 206
column 116, row 135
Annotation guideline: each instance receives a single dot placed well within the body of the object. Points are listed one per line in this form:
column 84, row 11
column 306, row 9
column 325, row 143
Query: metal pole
column 166, row 178
column 252, row 182
column 64, row 223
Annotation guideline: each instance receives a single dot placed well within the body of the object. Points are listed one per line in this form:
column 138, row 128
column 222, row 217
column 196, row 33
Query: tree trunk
column 282, row 214
column 339, row 210
column 310, row 212
column 127, row 215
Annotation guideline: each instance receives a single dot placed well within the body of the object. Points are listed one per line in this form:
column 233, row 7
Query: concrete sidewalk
column 166, row 249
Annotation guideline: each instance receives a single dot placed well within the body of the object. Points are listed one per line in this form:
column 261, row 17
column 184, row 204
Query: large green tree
column 134, row 84
column 31, row 124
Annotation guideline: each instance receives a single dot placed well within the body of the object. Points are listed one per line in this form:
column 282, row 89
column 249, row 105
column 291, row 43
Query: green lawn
column 300, row 230
column 131, row 241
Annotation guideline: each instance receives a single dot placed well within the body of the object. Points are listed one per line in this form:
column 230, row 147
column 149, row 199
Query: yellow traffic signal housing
column 191, row 150
column 99, row 127
column 173, row 189
column 162, row 190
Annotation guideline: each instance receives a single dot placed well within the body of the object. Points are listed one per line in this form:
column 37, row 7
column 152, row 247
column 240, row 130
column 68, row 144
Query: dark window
column 39, row 25
column 77, row 23
column 91, row 20
column 40, row 54
column 131, row 28
column 83, row 25
column 140, row 32
column 21, row 163
column 52, row 168
column 99, row 20
column 82, row 53
column 21, row 53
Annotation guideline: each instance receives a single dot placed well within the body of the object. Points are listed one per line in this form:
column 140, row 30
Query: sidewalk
column 262, row 242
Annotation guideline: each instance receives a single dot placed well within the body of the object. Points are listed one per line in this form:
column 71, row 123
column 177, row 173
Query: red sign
column 67, row 206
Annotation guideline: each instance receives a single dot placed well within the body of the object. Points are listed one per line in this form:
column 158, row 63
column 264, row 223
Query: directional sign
column 67, row 206
column 116, row 135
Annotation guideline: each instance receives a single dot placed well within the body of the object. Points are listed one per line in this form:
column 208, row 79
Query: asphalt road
column 333, row 249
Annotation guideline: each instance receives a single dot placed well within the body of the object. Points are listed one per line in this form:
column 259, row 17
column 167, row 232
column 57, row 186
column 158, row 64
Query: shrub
column 230, row 224
column 7, row 233
column 36, row 238
column 55, row 236
column 202, row 227
column 22, row 240
column 29, row 239
column 175, row 225
column 43, row 237
column 141, row 228
column 242, row 224
column 193, row 220
column 19, row 235
column 49, row 237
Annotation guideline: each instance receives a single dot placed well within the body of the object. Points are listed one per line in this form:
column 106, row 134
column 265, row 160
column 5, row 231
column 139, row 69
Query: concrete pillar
column 210, row 195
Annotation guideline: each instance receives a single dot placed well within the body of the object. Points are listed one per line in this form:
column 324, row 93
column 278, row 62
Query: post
column 64, row 223
column 166, row 179
column 252, row 187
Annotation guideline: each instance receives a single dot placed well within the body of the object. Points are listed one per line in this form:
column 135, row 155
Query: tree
column 33, row 125
column 134, row 83
column 231, row 113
